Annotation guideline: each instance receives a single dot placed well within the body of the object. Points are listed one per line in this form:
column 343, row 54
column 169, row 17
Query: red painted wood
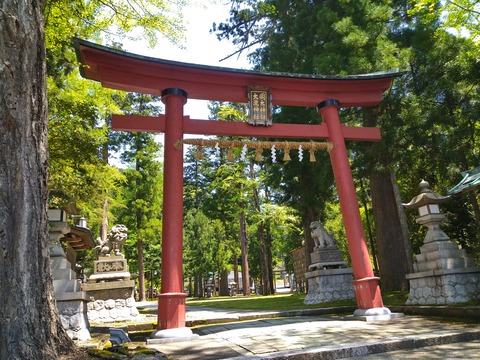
column 368, row 295
column 172, row 197
column 171, row 311
column 173, row 314
column 130, row 72
column 228, row 128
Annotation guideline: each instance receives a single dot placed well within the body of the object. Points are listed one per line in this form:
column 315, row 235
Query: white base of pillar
column 171, row 335
column 376, row 314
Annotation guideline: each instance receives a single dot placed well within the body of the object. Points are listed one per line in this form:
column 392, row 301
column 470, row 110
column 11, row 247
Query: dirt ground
column 135, row 350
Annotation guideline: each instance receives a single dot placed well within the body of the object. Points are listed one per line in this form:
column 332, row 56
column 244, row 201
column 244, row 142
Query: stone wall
column 73, row 314
column 329, row 285
column 113, row 310
column 444, row 287
column 112, row 301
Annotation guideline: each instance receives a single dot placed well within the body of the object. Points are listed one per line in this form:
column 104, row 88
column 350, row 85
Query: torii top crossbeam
column 135, row 73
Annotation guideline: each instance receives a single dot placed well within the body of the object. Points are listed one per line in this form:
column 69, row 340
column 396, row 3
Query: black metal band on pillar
column 330, row 102
column 174, row 91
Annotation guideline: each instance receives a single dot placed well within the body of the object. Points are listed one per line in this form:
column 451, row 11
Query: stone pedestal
column 108, row 268
column 444, row 274
column 112, row 301
column 330, row 279
column 328, row 257
column 71, row 300
column 111, row 291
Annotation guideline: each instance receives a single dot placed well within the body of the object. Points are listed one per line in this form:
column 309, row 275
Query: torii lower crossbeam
column 228, row 128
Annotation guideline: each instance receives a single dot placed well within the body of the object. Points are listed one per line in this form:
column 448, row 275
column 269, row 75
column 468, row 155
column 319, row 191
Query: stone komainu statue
column 114, row 241
column 320, row 236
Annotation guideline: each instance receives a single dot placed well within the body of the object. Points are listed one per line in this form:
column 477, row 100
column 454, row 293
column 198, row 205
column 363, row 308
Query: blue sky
column 201, row 47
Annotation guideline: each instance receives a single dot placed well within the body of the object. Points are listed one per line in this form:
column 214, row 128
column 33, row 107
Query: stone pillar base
column 171, row 335
column 442, row 287
column 171, row 310
column 112, row 301
column 376, row 314
column 72, row 308
column 329, row 285
column 367, row 293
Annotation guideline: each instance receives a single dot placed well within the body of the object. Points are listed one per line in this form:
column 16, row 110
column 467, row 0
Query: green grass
column 271, row 302
column 291, row 301
column 394, row 297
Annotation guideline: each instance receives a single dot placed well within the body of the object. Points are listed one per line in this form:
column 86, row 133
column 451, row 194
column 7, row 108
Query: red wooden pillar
column 366, row 285
column 171, row 301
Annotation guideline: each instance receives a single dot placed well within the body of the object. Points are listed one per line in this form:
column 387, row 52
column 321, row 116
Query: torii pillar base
column 171, row 320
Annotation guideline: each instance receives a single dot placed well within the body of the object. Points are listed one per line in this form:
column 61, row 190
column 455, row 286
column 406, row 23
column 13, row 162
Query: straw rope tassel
column 199, row 152
column 286, row 152
column 258, row 154
column 258, row 146
column 230, row 154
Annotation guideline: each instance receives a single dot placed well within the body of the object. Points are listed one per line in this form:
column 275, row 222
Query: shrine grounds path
column 424, row 333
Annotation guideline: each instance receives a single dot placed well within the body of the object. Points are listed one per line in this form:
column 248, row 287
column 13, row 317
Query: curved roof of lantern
column 79, row 238
column 137, row 73
column 426, row 197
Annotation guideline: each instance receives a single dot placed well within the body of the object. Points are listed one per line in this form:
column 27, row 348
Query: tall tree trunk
column 403, row 222
column 30, row 326
column 104, row 225
column 198, row 287
column 369, row 228
column 309, row 215
column 392, row 258
column 244, row 247
column 138, row 220
column 265, row 258
column 141, row 271
column 235, row 271
column 190, row 287
column 268, row 259
column 223, row 287
column 265, row 241
column 472, row 197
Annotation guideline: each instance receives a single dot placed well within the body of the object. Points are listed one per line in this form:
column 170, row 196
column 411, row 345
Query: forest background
column 429, row 122
column 260, row 211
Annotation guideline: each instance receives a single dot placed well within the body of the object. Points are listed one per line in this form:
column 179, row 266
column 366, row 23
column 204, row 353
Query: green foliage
column 79, row 110
column 428, row 118
column 463, row 16
column 204, row 245
column 80, row 179
column 142, row 196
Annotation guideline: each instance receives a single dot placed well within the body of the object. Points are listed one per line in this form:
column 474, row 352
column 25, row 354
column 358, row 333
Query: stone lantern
column 428, row 207
column 443, row 272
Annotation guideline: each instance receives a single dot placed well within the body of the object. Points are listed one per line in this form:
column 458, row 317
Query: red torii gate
column 176, row 81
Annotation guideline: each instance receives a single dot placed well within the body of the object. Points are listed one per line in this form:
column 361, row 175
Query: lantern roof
column 79, row 238
column 426, row 197
column 470, row 181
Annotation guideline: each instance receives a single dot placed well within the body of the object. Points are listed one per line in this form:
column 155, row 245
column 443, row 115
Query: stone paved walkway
column 319, row 337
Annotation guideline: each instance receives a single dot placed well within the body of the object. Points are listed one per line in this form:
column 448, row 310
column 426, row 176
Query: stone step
column 59, row 263
column 438, row 245
column 450, row 263
column 64, row 274
column 445, row 254
column 65, row 285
